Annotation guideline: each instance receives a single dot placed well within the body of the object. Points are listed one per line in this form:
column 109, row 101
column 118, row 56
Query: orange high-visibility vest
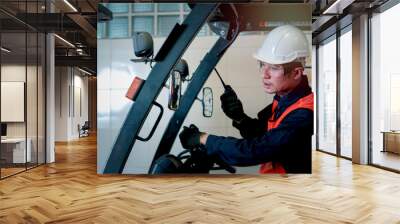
column 306, row 102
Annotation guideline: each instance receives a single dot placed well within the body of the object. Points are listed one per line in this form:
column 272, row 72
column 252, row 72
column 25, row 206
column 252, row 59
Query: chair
column 84, row 130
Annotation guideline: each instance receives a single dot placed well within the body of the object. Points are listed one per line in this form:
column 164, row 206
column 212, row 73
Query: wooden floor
column 10, row 171
column 387, row 159
column 70, row 191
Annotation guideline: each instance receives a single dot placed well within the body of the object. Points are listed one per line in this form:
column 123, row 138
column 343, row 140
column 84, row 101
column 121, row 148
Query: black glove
column 190, row 137
column 231, row 105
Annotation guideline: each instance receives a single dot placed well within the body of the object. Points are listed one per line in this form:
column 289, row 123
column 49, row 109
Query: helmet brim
column 270, row 61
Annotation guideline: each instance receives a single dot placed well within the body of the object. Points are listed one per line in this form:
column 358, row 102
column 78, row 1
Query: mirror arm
column 197, row 98
column 145, row 60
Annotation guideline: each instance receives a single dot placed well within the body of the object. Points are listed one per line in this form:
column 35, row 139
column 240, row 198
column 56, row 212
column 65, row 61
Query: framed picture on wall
column 12, row 101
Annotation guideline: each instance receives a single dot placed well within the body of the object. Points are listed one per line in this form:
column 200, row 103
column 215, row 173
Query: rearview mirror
column 143, row 44
column 175, row 86
column 183, row 69
column 207, row 102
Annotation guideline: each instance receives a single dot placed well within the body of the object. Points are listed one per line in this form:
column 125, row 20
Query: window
column 346, row 94
column 143, row 23
column 168, row 7
column 165, row 24
column 156, row 18
column 327, row 96
column 385, row 89
column 118, row 27
column 119, row 7
column 143, row 7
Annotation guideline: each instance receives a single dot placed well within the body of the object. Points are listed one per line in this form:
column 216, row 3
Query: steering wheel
column 190, row 161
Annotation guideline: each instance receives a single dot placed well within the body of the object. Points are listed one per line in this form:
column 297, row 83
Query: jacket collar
column 302, row 90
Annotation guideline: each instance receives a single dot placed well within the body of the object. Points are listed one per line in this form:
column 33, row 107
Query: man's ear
column 298, row 73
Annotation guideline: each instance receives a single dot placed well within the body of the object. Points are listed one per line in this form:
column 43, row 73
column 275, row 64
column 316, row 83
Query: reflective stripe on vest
column 306, row 102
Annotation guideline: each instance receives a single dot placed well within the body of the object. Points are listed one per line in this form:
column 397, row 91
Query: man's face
column 276, row 81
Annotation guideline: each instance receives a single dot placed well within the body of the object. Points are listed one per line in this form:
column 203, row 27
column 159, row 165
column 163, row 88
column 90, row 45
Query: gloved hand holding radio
column 231, row 105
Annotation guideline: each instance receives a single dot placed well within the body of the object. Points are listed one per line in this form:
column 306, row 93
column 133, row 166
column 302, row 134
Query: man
column 280, row 138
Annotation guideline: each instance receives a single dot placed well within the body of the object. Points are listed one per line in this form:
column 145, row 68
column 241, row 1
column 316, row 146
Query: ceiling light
column 5, row 50
column 65, row 41
column 70, row 5
column 84, row 71
column 337, row 7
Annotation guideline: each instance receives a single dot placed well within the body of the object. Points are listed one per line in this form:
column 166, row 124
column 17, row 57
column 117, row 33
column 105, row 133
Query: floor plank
column 70, row 191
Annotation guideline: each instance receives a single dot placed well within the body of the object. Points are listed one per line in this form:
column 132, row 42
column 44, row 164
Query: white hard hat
column 283, row 45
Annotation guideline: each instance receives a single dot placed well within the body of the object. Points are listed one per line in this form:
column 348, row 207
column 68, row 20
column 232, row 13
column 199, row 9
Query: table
column 391, row 141
column 16, row 147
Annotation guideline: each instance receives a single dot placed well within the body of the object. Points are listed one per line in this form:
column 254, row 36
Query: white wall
column 69, row 84
column 61, row 103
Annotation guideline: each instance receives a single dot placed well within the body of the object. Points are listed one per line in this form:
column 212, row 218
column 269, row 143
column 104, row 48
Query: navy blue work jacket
column 288, row 144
